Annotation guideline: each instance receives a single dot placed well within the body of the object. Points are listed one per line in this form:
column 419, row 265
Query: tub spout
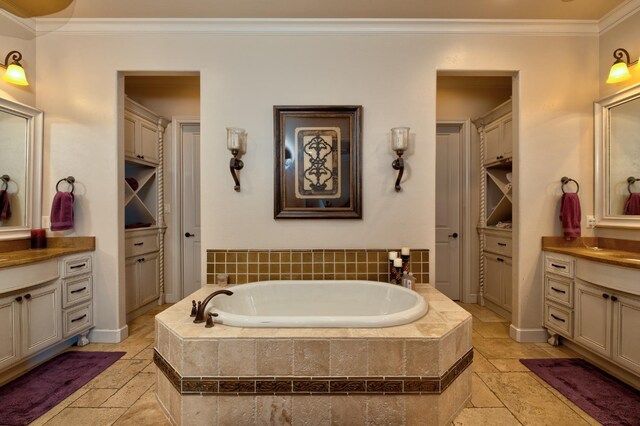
column 202, row 306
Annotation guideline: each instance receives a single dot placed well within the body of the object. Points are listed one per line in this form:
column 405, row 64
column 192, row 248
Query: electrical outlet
column 591, row 221
column 167, row 208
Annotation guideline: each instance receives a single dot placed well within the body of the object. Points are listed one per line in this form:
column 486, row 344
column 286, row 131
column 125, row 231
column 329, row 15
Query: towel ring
column 5, row 182
column 631, row 180
column 565, row 180
column 70, row 180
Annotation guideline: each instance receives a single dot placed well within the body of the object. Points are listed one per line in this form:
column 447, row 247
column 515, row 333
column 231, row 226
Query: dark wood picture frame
column 318, row 162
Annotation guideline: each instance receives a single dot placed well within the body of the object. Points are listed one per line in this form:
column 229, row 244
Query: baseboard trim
column 528, row 335
column 109, row 336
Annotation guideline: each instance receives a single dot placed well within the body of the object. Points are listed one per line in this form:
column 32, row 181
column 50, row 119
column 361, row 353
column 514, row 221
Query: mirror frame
column 33, row 172
column 601, row 161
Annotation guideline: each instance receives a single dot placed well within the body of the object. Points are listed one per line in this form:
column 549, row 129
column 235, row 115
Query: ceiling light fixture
column 14, row 73
column 620, row 68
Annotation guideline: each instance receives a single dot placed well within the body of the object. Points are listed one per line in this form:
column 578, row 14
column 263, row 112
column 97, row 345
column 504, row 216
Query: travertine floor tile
column 491, row 329
column 482, row 313
column 118, row 373
column 486, row 417
column 145, row 412
column 508, row 364
column 481, row 364
column 93, row 398
column 558, row 351
column 481, row 395
column 529, row 401
column 83, row 416
column 129, row 393
column 507, row 348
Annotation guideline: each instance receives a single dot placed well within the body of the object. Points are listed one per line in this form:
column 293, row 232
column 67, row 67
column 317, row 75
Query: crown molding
column 619, row 14
column 13, row 26
column 316, row 26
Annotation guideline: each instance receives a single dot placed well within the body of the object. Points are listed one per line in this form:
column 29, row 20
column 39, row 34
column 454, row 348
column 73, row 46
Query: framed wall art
column 318, row 172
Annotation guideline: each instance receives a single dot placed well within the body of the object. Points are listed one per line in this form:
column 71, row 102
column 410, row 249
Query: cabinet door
column 492, row 286
column 507, row 137
column 41, row 318
column 149, row 141
column 131, row 284
column 9, row 330
column 492, row 137
column 130, row 135
column 149, row 285
column 505, row 282
column 626, row 323
column 593, row 317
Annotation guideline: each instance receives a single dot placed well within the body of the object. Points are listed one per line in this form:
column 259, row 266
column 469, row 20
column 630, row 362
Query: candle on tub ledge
column 405, row 251
column 393, row 255
column 396, row 271
column 404, row 255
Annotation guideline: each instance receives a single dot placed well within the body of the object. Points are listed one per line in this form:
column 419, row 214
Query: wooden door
column 593, row 317
column 492, row 283
column 191, row 208
column 41, row 318
column 448, row 211
column 9, row 329
column 131, row 283
column 626, row 326
column 148, row 279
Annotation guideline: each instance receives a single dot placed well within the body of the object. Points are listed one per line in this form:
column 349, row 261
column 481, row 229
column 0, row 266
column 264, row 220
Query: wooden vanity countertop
column 17, row 252
column 605, row 250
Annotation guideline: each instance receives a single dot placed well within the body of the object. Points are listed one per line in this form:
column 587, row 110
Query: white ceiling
column 413, row 9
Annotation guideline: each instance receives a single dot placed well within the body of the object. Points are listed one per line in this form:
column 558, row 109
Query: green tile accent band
column 245, row 266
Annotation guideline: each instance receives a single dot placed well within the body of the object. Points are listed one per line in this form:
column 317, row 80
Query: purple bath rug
column 36, row 392
column 602, row 396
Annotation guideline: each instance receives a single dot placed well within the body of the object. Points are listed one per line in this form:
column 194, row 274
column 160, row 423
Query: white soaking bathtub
column 318, row 304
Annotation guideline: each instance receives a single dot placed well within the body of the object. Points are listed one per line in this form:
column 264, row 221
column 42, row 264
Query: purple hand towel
column 62, row 211
column 632, row 206
column 5, row 205
column 570, row 215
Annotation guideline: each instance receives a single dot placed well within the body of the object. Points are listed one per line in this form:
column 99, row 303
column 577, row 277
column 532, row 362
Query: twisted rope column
column 481, row 220
column 162, row 124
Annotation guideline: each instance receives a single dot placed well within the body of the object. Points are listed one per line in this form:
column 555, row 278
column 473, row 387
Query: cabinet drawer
column 76, row 266
column 559, row 290
column 77, row 319
column 76, row 290
column 558, row 319
column 140, row 242
column 498, row 244
column 561, row 265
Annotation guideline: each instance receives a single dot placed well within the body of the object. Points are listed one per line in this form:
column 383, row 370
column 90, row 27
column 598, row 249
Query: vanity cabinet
column 29, row 322
column 595, row 305
column 42, row 304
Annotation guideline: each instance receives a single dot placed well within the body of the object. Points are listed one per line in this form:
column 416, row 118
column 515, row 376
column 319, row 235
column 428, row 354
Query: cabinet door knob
column 186, row 234
column 499, row 259
column 454, row 235
column 605, row 295
column 27, row 296
column 19, row 299
column 141, row 259
column 614, row 299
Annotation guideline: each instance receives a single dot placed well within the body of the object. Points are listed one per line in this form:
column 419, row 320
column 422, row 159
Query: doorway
column 460, row 98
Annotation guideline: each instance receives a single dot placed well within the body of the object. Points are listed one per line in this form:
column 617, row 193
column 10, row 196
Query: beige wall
column 243, row 76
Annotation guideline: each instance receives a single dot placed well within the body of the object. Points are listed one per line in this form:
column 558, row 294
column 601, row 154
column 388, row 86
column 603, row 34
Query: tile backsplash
column 244, row 266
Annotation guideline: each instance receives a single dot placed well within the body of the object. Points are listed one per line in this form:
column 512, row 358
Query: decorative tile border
column 244, row 266
column 292, row 385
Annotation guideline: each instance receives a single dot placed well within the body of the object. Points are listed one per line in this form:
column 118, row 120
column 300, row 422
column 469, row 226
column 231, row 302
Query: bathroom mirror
column 617, row 159
column 20, row 169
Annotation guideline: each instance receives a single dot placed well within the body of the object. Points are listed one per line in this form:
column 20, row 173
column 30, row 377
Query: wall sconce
column 620, row 68
column 399, row 143
column 14, row 73
column 237, row 144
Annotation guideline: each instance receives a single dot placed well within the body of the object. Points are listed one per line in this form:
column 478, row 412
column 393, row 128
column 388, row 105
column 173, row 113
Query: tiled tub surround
column 414, row 374
column 245, row 266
